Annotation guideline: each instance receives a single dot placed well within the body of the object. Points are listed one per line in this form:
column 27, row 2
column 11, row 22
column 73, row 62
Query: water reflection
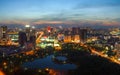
column 49, row 63
column 57, row 72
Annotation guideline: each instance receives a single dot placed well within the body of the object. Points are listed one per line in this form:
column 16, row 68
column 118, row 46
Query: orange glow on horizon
column 70, row 22
column 48, row 22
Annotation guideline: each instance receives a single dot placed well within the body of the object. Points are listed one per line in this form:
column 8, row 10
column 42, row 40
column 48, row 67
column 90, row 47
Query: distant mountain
column 75, row 25
column 13, row 25
column 62, row 25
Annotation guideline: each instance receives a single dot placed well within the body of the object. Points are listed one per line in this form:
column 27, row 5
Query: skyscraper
column 83, row 35
column 75, row 34
column 27, row 30
column 79, row 34
column 33, row 37
column 4, row 31
column 0, row 32
column 22, row 38
column 117, row 47
column 3, row 35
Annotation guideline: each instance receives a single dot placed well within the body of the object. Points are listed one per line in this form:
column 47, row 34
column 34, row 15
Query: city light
column 37, row 49
column 1, row 73
column 27, row 25
column 59, row 37
column 33, row 27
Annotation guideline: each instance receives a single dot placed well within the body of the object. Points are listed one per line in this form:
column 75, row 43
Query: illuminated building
column 3, row 35
column 76, row 38
column 83, row 35
column 27, row 30
column 79, row 34
column 33, row 37
column 75, row 34
column 22, row 38
column 75, row 30
column 117, row 47
column 115, row 31
column 49, row 29
column 30, row 34
column 67, row 38
column 0, row 32
column 60, row 37
column 4, row 31
column 14, row 38
column 48, row 42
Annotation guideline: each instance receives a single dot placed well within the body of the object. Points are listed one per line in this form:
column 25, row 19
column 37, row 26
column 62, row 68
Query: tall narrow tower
column 4, row 31
column 27, row 32
column 3, row 35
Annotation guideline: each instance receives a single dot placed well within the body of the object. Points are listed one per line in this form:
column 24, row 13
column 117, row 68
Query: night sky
column 93, row 12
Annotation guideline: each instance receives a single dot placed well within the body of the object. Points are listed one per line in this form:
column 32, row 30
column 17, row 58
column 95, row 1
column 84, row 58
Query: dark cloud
column 97, row 4
column 50, row 19
column 76, row 15
column 117, row 19
column 59, row 17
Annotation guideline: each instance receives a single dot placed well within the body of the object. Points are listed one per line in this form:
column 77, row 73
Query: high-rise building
column 0, row 32
column 49, row 29
column 30, row 34
column 3, row 35
column 79, row 34
column 75, row 30
column 4, row 31
column 22, row 38
column 33, row 37
column 75, row 34
column 67, row 36
column 27, row 30
column 117, row 47
column 13, row 38
column 83, row 35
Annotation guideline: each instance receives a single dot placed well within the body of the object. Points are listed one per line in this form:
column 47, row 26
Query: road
column 93, row 51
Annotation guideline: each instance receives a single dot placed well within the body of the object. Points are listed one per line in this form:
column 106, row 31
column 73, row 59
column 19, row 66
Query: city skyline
column 81, row 12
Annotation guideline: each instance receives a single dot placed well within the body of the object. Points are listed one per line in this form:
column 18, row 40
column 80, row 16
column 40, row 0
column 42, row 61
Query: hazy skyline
column 104, row 12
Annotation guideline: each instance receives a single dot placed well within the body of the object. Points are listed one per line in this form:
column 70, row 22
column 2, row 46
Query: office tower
column 75, row 30
column 117, row 47
column 33, row 37
column 27, row 30
column 67, row 36
column 49, row 29
column 83, row 35
column 4, row 31
column 13, row 37
column 22, row 38
column 0, row 32
column 75, row 34
column 3, row 35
